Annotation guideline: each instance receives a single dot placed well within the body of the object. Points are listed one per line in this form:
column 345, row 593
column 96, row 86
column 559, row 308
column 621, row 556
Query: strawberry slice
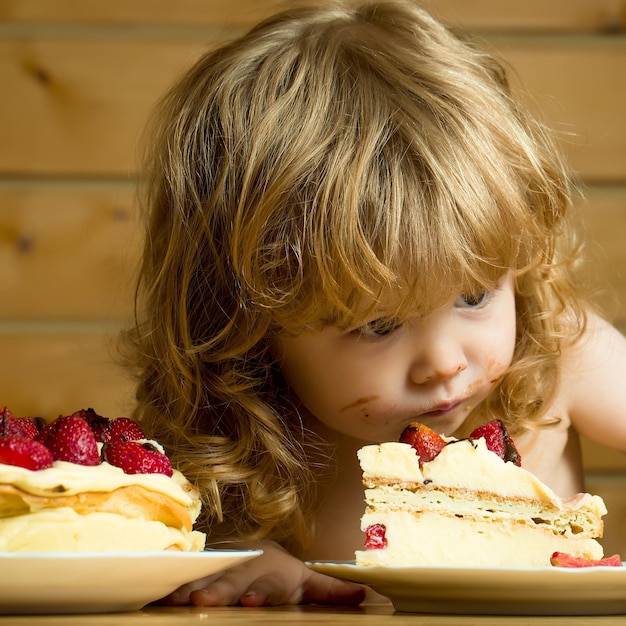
column 562, row 559
column 498, row 441
column 136, row 458
column 70, row 439
column 23, row 452
column 425, row 441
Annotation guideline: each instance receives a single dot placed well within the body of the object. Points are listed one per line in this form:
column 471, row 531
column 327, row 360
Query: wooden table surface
column 374, row 615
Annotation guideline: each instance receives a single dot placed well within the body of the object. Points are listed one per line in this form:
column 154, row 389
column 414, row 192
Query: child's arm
column 275, row 577
column 594, row 385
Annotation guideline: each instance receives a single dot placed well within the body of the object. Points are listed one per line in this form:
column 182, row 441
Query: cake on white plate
column 83, row 483
column 433, row 500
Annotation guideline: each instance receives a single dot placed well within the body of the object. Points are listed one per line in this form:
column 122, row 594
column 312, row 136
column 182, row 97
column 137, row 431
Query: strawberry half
column 123, row 429
column 498, row 441
column 425, row 441
column 110, row 430
column 23, row 452
column 8, row 428
column 136, row 458
column 375, row 537
column 96, row 422
column 561, row 559
column 11, row 426
column 30, row 426
column 70, row 439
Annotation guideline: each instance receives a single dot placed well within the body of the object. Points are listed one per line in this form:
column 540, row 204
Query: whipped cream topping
column 462, row 464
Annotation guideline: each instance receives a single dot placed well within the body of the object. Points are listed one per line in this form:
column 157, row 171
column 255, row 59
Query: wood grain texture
column 48, row 373
column 603, row 212
column 611, row 487
column 512, row 15
column 67, row 252
column 76, row 106
column 301, row 615
column 579, row 87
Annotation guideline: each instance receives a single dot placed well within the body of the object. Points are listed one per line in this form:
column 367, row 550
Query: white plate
column 495, row 591
column 102, row 582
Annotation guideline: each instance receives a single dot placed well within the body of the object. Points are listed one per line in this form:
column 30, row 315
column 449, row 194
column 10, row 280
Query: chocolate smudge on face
column 359, row 402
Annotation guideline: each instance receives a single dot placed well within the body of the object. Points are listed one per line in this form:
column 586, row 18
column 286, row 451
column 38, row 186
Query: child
column 352, row 225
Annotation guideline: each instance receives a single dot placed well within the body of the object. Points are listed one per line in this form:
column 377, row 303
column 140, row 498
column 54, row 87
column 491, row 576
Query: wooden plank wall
column 77, row 81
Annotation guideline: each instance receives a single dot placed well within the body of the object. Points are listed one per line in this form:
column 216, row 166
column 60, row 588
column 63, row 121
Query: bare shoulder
column 593, row 385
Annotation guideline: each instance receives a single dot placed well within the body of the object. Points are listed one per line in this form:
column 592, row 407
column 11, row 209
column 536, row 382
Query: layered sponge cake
column 433, row 500
column 83, row 483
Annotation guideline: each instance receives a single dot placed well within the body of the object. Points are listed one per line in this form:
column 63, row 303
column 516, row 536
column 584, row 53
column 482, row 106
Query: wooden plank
column 48, row 374
column 599, row 459
column 532, row 15
column 603, row 213
column 67, row 252
column 139, row 12
column 612, row 489
column 45, row 373
column 579, row 86
column 75, row 107
column 78, row 106
column 572, row 15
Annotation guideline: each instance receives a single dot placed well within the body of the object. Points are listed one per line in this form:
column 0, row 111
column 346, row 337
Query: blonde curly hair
column 333, row 155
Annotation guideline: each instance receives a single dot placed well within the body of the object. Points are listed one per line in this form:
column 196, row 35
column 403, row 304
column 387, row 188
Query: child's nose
column 439, row 358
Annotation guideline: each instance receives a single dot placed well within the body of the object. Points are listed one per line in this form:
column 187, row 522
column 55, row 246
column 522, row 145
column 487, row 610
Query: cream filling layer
column 583, row 521
column 433, row 539
column 64, row 530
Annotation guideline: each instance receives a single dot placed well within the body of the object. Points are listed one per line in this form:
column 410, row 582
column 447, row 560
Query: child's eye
column 471, row 300
column 380, row 327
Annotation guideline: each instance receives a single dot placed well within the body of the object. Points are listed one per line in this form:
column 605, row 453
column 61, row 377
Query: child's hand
column 275, row 577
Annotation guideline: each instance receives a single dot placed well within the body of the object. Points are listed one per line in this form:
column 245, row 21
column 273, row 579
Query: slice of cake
column 433, row 500
column 84, row 483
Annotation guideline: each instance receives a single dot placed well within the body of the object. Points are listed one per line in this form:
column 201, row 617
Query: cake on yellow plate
column 434, row 500
column 83, row 483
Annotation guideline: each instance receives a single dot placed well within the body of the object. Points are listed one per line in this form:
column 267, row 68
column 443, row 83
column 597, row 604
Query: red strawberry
column 137, row 458
column 23, row 452
column 70, row 439
column 6, row 417
column 123, row 429
column 426, row 442
column 110, row 430
column 561, row 559
column 375, row 538
column 11, row 426
column 498, row 441
column 97, row 423
column 30, row 426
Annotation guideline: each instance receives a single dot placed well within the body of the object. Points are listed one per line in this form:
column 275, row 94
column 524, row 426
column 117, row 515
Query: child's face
column 369, row 382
